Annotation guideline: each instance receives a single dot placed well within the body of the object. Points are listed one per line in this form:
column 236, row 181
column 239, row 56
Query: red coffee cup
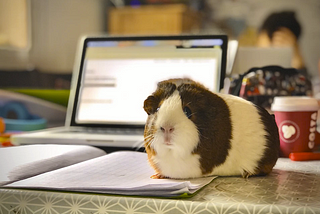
column 296, row 118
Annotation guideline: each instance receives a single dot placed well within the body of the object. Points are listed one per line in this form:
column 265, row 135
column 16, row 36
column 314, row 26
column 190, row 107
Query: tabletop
column 292, row 187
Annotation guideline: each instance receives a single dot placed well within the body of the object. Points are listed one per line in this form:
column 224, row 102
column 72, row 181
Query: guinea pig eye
column 187, row 112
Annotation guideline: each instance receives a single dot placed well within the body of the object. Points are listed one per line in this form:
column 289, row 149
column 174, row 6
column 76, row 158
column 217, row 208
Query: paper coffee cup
column 296, row 118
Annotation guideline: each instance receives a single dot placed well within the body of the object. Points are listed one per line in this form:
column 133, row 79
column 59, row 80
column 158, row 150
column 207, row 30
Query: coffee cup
column 296, row 118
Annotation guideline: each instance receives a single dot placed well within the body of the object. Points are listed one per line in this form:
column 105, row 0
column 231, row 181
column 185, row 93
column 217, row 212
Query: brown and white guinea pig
column 191, row 132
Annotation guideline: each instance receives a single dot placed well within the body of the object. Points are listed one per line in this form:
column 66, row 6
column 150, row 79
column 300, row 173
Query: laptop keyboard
column 110, row 131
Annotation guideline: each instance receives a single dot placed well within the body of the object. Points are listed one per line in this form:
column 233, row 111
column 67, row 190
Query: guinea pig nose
column 167, row 129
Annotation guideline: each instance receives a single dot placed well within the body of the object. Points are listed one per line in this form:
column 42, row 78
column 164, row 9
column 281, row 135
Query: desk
column 292, row 187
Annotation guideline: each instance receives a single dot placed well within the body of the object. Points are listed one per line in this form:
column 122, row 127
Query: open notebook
column 82, row 168
column 114, row 75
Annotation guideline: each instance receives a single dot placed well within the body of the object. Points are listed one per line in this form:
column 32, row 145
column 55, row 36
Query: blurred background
column 38, row 42
column 38, row 39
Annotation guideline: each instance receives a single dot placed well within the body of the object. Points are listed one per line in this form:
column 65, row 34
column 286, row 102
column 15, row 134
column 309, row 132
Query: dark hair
column 285, row 19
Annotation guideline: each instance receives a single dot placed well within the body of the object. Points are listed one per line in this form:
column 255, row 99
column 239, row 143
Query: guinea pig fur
column 191, row 132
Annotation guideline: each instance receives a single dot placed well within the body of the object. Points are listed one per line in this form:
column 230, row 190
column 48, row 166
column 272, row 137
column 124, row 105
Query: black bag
column 261, row 85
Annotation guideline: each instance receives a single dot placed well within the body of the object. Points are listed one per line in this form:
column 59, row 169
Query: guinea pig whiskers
column 149, row 138
column 149, row 143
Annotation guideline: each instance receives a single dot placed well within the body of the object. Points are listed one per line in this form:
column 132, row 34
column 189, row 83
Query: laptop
column 113, row 76
column 250, row 57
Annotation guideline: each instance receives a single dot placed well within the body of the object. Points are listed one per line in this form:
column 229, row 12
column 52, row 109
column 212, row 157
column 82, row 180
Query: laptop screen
column 116, row 75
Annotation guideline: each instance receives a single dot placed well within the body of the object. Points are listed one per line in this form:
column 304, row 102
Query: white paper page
column 123, row 171
column 25, row 161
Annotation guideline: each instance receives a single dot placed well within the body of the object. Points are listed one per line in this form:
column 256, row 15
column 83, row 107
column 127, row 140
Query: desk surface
column 292, row 187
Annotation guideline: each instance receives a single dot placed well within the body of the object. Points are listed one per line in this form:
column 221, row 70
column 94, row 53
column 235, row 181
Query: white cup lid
column 294, row 103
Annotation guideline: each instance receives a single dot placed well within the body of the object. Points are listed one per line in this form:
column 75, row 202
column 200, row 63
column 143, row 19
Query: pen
column 2, row 125
column 304, row 156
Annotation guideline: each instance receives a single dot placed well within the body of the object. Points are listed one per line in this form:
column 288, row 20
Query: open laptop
column 250, row 57
column 114, row 75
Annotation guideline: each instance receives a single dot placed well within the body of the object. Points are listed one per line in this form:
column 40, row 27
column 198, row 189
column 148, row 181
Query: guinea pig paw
column 157, row 176
column 246, row 174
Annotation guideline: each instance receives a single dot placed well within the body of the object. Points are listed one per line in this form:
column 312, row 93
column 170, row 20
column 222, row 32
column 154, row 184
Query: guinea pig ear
column 151, row 105
column 165, row 88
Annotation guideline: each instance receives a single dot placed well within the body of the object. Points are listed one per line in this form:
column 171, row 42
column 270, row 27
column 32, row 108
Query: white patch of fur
column 172, row 167
column 176, row 160
column 248, row 138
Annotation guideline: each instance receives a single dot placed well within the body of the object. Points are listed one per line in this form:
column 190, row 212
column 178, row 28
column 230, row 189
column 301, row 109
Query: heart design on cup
column 288, row 131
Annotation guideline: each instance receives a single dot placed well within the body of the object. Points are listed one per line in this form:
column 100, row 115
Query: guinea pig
column 191, row 132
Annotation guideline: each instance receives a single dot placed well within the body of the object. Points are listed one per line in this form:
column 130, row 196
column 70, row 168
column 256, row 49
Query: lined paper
column 116, row 173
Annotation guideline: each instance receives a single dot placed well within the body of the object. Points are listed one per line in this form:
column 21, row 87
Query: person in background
column 260, row 86
column 282, row 29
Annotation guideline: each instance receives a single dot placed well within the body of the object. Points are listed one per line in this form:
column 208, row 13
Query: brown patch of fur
column 212, row 117
column 271, row 153
column 153, row 102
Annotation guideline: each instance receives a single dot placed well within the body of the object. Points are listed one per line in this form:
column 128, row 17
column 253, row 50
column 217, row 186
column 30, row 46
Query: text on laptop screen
column 118, row 77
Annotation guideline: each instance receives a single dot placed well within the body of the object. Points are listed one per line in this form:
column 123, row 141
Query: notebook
column 113, row 76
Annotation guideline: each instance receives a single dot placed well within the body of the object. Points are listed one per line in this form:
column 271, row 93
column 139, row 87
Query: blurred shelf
column 153, row 19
